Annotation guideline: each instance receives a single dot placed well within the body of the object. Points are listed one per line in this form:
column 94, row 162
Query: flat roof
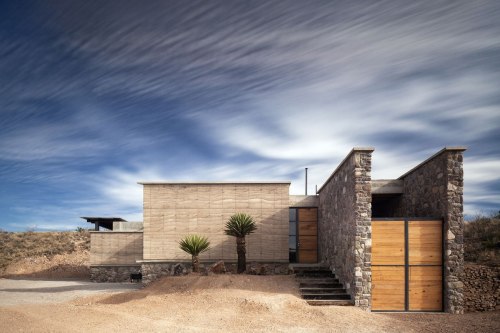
column 195, row 182
column 106, row 222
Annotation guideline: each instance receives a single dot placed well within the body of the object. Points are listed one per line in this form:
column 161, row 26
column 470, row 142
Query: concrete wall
column 345, row 224
column 127, row 226
column 435, row 189
column 303, row 201
column 115, row 248
column 174, row 210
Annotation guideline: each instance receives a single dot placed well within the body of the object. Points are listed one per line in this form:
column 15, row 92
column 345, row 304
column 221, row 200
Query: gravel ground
column 16, row 292
column 225, row 303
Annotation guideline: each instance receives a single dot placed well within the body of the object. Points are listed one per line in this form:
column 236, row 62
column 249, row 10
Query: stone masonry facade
column 345, row 224
column 109, row 273
column 153, row 271
column 435, row 189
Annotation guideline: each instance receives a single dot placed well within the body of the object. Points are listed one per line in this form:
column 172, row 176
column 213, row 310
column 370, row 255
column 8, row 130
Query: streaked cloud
column 97, row 95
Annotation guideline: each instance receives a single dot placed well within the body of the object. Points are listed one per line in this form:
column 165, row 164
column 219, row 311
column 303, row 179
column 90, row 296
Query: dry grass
column 482, row 240
column 15, row 246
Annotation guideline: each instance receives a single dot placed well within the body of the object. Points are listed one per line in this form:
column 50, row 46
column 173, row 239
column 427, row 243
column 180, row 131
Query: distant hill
column 482, row 240
column 44, row 254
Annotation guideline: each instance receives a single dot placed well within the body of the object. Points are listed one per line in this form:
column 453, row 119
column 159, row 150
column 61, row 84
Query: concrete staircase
column 319, row 286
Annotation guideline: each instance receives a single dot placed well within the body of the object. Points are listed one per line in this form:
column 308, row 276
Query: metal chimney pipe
column 306, row 181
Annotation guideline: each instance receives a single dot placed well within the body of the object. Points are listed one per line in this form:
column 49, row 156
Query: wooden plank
column 425, row 242
column 308, row 214
column 308, row 256
column 308, row 243
column 308, row 228
column 388, row 288
column 388, row 243
column 425, row 291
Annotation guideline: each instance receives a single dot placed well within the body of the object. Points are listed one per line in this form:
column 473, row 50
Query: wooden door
column 407, row 265
column 307, row 231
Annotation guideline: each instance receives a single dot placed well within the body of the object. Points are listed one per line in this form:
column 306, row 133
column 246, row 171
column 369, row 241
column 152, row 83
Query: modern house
column 396, row 245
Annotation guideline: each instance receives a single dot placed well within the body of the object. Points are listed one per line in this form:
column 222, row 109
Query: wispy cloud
column 104, row 95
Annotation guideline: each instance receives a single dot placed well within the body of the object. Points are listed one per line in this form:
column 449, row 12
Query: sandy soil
column 17, row 292
column 227, row 303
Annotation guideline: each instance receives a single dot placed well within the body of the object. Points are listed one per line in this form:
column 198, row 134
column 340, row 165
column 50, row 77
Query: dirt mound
column 60, row 266
column 226, row 303
column 195, row 282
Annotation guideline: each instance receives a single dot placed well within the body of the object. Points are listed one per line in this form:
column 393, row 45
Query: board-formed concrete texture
column 174, row 210
column 115, row 248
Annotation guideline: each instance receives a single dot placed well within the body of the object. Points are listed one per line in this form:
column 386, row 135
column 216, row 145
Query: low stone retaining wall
column 481, row 288
column 113, row 273
column 154, row 271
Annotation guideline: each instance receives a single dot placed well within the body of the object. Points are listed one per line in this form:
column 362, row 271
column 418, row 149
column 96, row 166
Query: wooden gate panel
column 407, row 269
column 308, row 228
column 388, row 288
column 388, row 243
column 425, row 242
column 426, row 288
column 308, row 214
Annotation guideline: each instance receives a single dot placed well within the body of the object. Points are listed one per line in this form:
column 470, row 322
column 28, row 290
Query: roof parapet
column 166, row 182
column 445, row 149
column 353, row 150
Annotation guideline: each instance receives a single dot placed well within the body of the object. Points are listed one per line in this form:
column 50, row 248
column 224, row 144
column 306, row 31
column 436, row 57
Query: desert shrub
column 240, row 225
column 194, row 245
column 482, row 239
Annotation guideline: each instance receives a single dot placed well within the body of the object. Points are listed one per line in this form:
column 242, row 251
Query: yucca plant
column 240, row 225
column 194, row 245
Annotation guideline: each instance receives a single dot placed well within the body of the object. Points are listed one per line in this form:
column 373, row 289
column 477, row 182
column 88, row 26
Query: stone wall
column 345, row 224
column 153, row 271
column 127, row 226
column 173, row 210
column 435, row 189
column 113, row 273
column 115, row 248
column 481, row 288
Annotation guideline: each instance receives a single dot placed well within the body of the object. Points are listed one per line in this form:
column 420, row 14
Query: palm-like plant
column 240, row 225
column 194, row 245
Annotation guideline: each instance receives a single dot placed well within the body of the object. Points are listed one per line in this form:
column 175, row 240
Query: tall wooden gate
column 407, row 265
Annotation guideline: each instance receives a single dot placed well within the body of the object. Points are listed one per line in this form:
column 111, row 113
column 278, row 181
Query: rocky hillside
column 44, row 254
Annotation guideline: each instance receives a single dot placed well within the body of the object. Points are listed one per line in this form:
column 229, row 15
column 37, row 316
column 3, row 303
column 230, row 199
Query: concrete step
column 321, row 302
column 331, row 297
column 317, row 280
column 320, row 285
column 319, row 290
column 315, row 274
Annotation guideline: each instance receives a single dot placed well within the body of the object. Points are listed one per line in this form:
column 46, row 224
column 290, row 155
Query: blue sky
column 97, row 95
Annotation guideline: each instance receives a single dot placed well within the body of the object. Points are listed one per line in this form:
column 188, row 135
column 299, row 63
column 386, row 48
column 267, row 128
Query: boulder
column 218, row 267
